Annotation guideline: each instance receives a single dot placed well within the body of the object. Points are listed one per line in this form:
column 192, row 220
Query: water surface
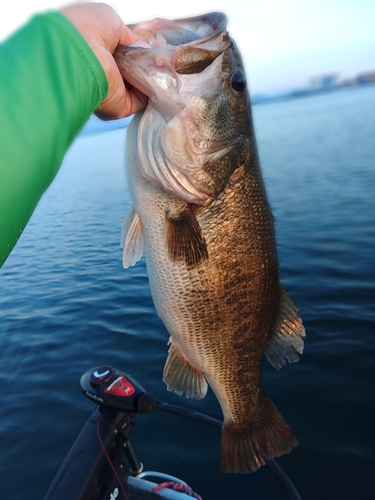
column 67, row 305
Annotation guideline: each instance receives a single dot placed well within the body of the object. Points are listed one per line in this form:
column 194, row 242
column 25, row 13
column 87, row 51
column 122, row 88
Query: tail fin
column 245, row 445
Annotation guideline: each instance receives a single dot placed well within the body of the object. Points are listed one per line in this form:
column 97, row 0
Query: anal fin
column 180, row 376
column 185, row 241
column 287, row 341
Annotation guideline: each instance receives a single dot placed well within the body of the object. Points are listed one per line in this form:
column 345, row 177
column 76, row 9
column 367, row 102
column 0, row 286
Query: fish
column 201, row 216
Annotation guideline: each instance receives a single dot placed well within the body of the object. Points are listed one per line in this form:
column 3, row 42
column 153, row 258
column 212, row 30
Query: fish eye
column 238, row 80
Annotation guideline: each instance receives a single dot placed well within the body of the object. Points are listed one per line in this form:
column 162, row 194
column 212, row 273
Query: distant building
column 324, row 82
column 367, row 77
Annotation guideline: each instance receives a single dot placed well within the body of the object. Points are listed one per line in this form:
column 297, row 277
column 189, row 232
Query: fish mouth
column 181, row 46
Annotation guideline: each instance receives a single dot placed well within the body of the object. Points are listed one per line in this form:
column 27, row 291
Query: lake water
column 67, row 305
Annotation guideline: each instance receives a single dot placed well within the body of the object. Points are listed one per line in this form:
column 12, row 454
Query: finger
column 124, row 101
column 128, row 37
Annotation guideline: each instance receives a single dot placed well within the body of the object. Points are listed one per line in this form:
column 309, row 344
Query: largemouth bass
column 201, row 216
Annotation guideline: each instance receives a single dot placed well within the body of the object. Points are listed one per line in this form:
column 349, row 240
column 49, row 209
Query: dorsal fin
column 286, row 343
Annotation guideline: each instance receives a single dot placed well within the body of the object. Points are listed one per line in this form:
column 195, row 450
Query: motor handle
column 112, row 389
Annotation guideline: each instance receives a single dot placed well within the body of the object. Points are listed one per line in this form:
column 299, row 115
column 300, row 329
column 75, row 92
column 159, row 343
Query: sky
column 283, row 42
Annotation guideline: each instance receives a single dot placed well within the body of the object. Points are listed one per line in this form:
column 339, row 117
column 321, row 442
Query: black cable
column 286, row 482
column 188, row 413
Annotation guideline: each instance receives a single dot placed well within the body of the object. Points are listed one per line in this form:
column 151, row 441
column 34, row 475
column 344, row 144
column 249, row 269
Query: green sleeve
column 50, row 83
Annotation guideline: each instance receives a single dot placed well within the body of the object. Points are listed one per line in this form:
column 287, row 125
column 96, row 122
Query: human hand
column 103, row 30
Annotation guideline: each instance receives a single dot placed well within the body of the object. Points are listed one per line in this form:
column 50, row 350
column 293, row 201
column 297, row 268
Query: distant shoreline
column 355, row 83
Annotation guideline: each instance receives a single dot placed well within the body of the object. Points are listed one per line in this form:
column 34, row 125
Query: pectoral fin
column 185, row 241
column 131, row 239
column 286, row 343
column 180, row 376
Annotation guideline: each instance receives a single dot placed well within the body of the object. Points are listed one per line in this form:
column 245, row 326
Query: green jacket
column 50, row 83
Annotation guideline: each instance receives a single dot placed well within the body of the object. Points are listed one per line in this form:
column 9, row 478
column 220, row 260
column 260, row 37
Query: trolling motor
column 93, row 468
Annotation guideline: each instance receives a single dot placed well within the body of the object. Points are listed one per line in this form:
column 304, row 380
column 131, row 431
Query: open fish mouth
column 183, row 46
